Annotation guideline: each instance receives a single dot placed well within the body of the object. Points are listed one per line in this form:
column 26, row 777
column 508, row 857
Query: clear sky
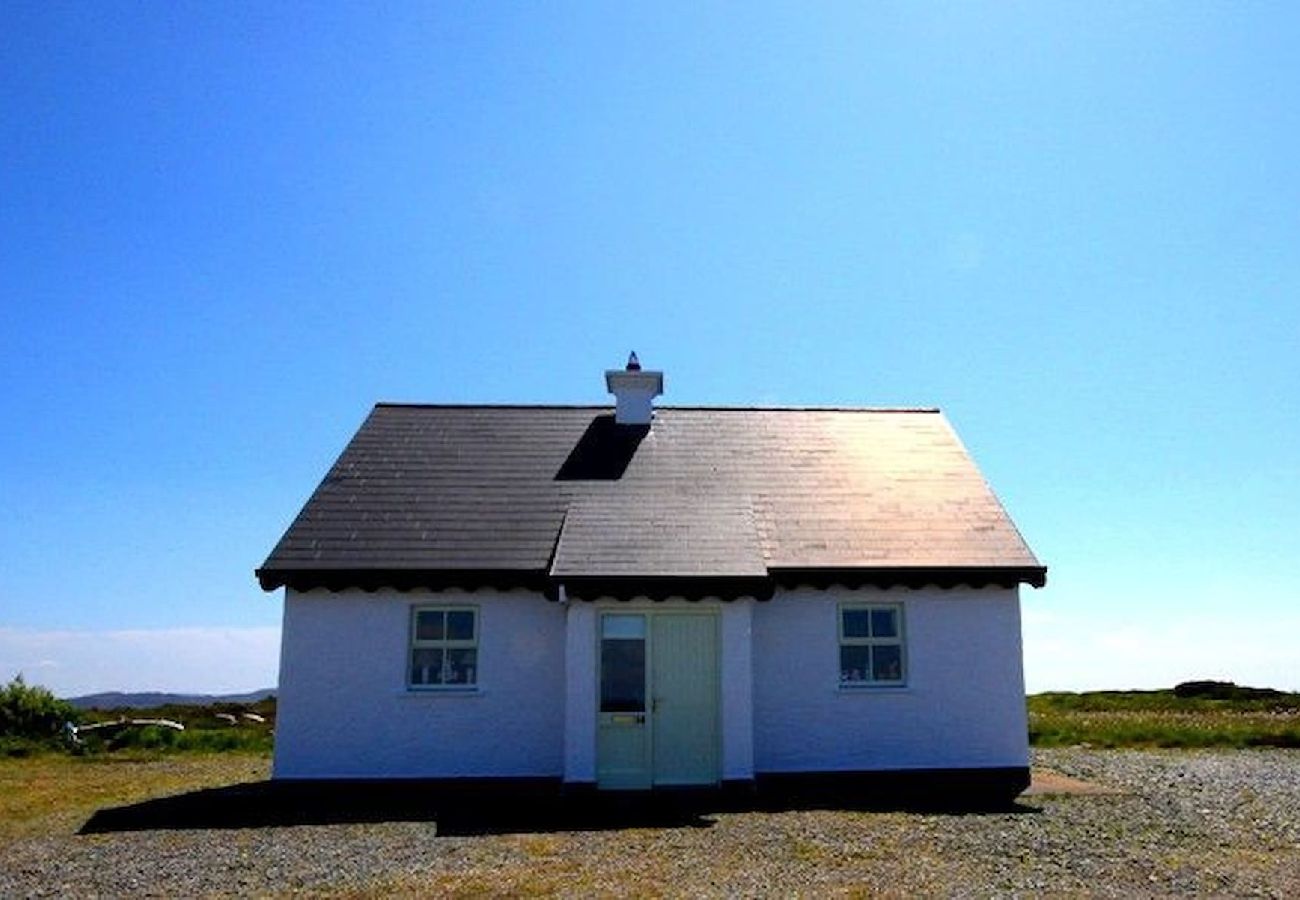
column 227, row 229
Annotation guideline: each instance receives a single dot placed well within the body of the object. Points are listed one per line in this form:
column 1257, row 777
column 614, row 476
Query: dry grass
column 1184, row 823
column 54, row 793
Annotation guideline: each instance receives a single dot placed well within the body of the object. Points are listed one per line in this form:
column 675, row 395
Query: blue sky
column 226, row 230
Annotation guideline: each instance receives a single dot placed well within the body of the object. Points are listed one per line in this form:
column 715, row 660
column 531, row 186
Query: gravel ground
column 1181, row 822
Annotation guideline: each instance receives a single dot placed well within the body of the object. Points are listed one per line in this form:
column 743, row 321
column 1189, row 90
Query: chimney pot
column 634, row 392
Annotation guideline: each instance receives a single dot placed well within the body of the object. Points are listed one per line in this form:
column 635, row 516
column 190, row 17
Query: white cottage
column 641, row 597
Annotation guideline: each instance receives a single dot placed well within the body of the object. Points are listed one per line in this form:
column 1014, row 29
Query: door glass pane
column 622, row 675
column 622, row 626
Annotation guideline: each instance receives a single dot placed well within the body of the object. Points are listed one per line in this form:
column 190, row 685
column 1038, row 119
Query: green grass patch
column 1204, row 714
column 208, row 729
column 54, row 793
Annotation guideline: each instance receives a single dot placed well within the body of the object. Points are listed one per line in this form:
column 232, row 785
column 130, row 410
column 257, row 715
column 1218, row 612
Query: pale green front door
column 658, row 700
column 684, row 700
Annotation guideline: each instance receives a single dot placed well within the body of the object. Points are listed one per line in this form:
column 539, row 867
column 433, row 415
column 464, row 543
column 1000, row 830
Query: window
column 622, row 663
column 871, row 645
column 444, row 648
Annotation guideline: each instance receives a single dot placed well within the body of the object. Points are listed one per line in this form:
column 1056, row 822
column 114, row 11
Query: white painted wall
column 344, row 710
column 737, row 690
column 963, row 706
column 580, row 693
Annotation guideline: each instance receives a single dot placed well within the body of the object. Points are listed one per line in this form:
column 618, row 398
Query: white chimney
column 634, row 392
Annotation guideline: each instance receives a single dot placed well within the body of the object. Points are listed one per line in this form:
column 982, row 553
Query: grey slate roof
column 673, row 536
column 440, row 495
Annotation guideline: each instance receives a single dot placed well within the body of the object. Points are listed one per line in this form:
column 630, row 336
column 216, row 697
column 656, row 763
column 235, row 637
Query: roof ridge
column 683, row 408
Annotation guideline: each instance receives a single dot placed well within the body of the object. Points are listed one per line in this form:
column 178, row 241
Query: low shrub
column 17, row 748
column 1227, row 690
column 31, row 716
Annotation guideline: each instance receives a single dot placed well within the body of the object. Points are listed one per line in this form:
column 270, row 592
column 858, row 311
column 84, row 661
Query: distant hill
column 151, row 699
column 1185, row 696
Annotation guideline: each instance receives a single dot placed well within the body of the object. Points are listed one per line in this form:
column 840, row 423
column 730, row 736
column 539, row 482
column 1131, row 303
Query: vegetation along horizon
column 1192, row 715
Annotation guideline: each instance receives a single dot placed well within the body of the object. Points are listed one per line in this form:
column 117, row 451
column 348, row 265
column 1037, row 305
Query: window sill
column 441, row 692
column 873, row 689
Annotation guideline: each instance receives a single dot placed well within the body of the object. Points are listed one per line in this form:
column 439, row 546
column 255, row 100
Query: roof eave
column 374, row 579
column 661, row 587
column 586, row 587
column 911, row 576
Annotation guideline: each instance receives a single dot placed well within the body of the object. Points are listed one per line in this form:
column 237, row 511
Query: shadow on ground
column 477, row 810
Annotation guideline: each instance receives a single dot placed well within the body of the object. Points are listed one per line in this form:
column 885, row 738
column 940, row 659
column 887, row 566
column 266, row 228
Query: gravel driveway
column 1182, row 822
